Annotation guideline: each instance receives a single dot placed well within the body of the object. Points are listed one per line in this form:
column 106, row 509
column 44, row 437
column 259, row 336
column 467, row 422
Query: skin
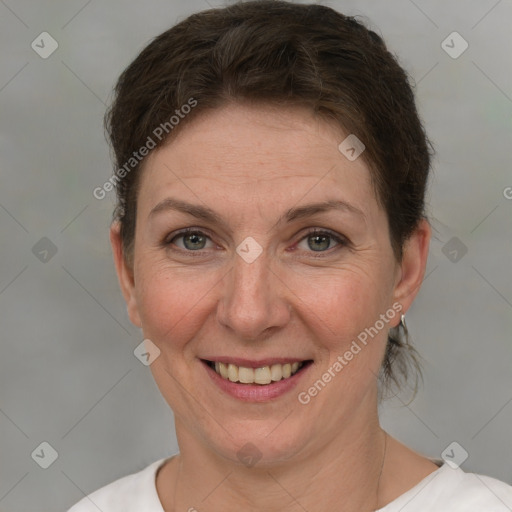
column 250, row 164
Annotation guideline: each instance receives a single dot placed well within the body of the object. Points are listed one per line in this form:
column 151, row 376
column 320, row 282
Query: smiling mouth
column 264, row 375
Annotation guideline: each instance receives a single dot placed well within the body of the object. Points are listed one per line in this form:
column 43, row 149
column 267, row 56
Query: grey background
column 68, row 375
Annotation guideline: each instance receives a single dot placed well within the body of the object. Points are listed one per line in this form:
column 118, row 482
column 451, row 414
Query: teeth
column 264, row 375
column 276, row 372
column 232, row 373
column 245, row 375
column 222, row 370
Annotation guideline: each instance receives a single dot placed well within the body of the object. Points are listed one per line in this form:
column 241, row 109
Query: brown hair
column 281, row 53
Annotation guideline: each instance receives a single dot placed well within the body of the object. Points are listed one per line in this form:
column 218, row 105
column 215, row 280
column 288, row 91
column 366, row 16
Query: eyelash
column 342, row 241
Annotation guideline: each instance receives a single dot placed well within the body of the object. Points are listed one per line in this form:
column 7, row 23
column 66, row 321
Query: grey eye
column 192, row 240
column 321, row 241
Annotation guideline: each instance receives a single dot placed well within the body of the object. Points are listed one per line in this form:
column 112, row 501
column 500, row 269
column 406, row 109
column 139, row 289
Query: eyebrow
column 207, row 214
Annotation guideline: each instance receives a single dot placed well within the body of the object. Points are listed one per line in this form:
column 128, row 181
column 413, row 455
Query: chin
column 260, row 443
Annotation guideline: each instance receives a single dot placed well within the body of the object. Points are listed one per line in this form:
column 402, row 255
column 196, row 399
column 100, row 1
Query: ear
column 124, row 274
column 413, row 265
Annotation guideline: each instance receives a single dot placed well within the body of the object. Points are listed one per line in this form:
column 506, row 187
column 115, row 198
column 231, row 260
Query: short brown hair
column 282, row 53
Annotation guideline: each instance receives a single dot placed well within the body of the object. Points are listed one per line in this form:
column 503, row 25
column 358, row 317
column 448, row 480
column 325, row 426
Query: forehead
column 240, row 152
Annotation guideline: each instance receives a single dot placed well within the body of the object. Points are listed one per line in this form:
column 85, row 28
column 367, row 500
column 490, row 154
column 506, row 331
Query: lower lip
column 256, row 392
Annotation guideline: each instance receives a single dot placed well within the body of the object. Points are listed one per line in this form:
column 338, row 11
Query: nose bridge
column 251, row 303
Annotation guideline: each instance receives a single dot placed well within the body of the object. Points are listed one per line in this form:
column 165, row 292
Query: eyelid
column 185, row 231
column 338, row 237
column 166, row 242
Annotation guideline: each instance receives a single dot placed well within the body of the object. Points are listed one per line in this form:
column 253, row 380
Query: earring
column 403, row 324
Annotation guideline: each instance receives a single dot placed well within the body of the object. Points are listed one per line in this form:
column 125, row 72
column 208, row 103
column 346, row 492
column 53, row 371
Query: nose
column 255, row 300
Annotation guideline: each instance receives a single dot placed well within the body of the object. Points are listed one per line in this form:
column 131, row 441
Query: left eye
column 317, row 240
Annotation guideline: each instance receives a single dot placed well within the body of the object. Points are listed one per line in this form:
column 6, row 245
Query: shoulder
column 133, row 492
column 474, row 492
column 454, row 490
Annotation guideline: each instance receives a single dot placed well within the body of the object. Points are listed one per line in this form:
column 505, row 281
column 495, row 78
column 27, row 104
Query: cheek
column 341, row 303
column 173, row 304
column 342, row 312
column 332, row 305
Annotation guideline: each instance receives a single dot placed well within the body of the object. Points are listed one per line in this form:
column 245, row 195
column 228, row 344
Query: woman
column 270, row 236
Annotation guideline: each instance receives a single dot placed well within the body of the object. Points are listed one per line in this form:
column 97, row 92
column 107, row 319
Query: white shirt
column 444, row 490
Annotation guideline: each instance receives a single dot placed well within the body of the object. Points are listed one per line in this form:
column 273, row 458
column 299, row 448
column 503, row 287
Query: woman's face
column 253, row 285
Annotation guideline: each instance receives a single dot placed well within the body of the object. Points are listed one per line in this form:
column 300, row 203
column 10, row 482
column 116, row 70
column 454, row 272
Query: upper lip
column 254, row 363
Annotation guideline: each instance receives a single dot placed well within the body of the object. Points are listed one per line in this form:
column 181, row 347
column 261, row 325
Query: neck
column 345, row 469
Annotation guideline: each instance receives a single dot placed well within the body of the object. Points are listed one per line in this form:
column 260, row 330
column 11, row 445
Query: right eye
column 193, row 240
